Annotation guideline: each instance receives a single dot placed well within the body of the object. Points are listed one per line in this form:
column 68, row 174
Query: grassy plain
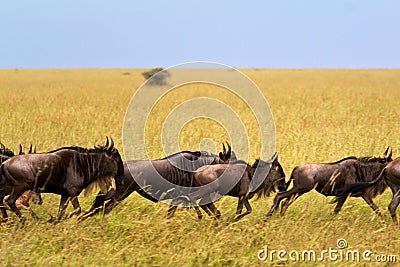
column 320, row 116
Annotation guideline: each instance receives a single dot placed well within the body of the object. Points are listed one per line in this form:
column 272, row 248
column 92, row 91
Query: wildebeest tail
column 2, row 178
column 358, row 188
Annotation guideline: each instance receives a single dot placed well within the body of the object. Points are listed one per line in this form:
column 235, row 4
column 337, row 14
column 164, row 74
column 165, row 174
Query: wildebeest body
column 238, row 176
column 330, row 179
column 389, row 176
column 65, row 171
column 176, row 169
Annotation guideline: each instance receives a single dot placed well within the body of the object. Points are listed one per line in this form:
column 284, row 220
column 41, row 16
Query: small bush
column 159, row 79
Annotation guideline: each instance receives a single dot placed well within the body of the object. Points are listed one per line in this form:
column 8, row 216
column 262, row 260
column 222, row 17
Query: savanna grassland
column 320, row 116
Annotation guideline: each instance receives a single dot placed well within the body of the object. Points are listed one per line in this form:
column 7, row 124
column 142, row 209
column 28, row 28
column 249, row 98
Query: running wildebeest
column 23, row 201
column 176, row 168
column 389, row 176
column 270, row 173
column 65, row 171
column 330, row 179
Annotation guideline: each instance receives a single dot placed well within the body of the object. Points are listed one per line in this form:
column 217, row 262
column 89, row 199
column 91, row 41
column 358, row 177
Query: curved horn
column 386, row 151
column 20, row 150
column 390, row 153
column 34, row 150
column 223, row 149
column 274, row 157
column 111, row 145
column 30, row 149
column 106, row 145
column 229, row 149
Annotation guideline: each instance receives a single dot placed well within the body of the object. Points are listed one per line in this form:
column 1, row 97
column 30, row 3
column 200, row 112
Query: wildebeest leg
column 208, row 206
column 288, row 202
column 63, row 206
column 281, row 196
column 199, row 214
column 11, row 203
column 171, row 210
column 77, row 207
column 339, row 205
column 3, row 213
column 33, row 214
column 394, row 204
column 240, row 205
column 248, row 210
column 206, row 209
column 100, row 199
column 98, row 204
column 214, row 210
column 3, row 208
column 372, row 204
column 4, row 190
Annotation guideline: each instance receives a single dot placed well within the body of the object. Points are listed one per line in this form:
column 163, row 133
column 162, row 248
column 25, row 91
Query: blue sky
column 143, row 34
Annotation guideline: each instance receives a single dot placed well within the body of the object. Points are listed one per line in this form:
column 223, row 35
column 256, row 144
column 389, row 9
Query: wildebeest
column 65, row 171
column 389, row 176
column 176, row 169
column 330, row 179
column 269, row 175
column 22, row 203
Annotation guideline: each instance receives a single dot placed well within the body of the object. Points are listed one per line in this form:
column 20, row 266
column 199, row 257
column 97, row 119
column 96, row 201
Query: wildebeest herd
column 67, row 171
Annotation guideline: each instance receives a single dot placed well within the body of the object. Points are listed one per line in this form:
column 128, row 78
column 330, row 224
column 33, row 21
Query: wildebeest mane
column 96, row 149
column 267, row 186
column 194, row 153
column 369, row 171
column 344, row 159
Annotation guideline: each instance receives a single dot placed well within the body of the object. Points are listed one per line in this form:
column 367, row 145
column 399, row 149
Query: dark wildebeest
column 23, row 201
column 65, row 171
column 176, row 169
column 389, row 176
column 268, row 174
column 330, row 179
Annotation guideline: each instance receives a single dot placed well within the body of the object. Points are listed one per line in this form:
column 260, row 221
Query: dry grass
column 320, row 115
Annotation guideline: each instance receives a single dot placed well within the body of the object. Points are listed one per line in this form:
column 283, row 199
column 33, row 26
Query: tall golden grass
column 320, row 116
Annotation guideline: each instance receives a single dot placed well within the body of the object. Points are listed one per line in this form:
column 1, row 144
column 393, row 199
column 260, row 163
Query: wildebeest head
column 113, row 154
column 275, row 177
